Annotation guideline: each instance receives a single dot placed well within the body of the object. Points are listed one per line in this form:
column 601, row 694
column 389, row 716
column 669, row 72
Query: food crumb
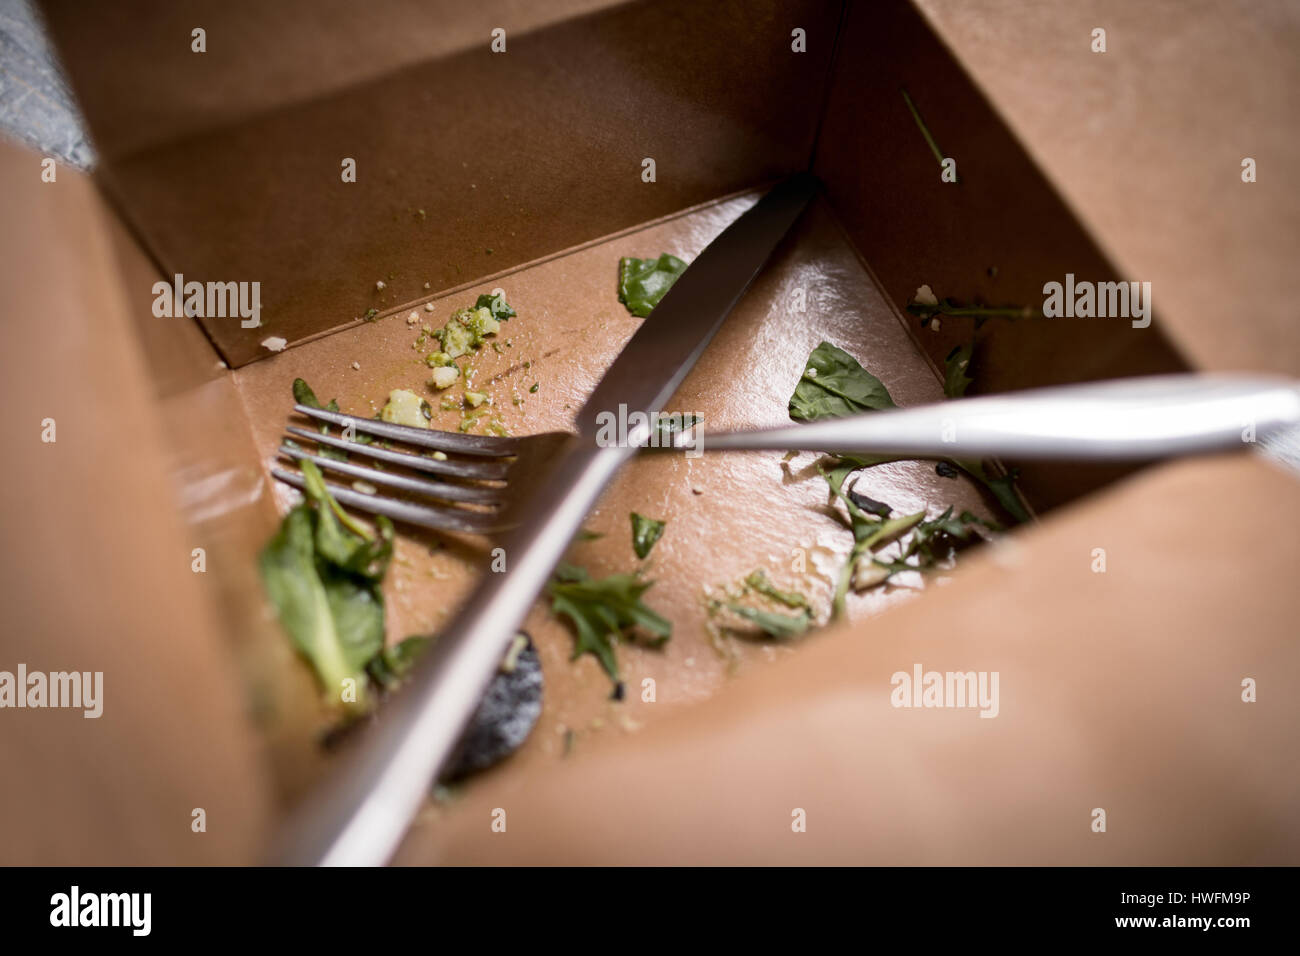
column 356, row 366
column 697, row 489
column 275, row 343
column 426, row 285
column 428, row 306
column 379, row 286
column 413, row 318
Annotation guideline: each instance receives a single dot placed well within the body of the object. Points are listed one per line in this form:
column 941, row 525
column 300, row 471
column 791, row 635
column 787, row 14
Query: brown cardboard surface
column 97, row 571
column 1146, row 141
column 141, row 84
column 469, row 162
column 226, row 500
column 994, row 237
column 1120, row 690
column 1125, row 695
column 569, row 328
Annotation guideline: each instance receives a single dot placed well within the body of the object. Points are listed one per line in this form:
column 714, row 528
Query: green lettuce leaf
column 321, row 571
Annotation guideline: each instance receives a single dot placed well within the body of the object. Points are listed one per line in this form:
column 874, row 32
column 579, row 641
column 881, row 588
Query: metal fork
column 477, row 499
column 1125, row 419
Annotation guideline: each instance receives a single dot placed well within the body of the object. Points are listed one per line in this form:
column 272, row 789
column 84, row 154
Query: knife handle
column 358, row 815
column 1126, row 419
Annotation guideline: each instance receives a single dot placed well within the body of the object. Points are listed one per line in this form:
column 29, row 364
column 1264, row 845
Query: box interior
column 522, row 171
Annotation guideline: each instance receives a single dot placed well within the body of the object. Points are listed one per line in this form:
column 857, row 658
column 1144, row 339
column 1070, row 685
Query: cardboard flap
column 1147, row 141
column 141, row 82
column 98, row 570
column 468, row 162
column 1120, row 689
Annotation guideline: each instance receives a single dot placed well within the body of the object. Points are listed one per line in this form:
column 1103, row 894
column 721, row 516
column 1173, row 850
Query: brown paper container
column 523, row 170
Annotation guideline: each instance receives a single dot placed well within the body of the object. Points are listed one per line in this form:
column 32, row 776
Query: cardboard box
column 523, row 169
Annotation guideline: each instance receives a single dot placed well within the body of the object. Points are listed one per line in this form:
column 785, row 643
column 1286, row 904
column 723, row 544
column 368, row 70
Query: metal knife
column 360, row 813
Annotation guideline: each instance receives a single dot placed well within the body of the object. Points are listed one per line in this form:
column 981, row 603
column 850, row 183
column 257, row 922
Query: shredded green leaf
column 854, row 390
column 645, row 532
column 956, row 371
column 774, row 623
column 602, row 610
column 758, row 581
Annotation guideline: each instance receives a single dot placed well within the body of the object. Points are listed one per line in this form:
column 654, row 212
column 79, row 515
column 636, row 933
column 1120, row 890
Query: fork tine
column 424, row 516
column 488, row 446
column 487, row 470
column 479, row 495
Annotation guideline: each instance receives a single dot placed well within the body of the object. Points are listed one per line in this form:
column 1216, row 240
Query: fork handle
column 1125, row 419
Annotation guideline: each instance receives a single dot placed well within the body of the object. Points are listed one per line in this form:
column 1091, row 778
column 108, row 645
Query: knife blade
column 361, row 812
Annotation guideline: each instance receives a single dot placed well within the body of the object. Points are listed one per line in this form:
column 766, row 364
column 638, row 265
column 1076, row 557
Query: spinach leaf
column 956, row 377
column 645, row 532
column 839, row 386
column 643, row 282
column 833, row 385
column 603, row 609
